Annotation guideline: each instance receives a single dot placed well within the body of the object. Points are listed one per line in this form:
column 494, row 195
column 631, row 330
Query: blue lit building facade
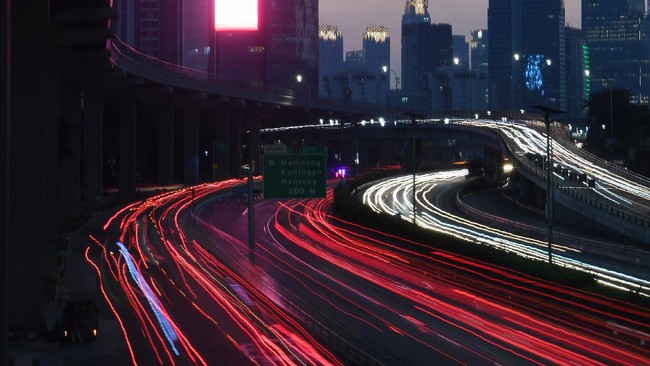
column 617, row 36
column 527, row 61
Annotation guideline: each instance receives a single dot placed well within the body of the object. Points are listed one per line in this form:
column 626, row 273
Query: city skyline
column 346, row 15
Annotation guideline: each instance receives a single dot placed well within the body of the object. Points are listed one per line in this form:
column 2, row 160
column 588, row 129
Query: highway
column 322, row 291
column 435, row 198
column 614, row 185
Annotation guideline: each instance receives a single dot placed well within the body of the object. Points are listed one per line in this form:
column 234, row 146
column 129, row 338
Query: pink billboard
column 234, row 15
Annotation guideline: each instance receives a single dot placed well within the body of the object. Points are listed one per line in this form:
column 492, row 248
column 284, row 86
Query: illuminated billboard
column 235, row 15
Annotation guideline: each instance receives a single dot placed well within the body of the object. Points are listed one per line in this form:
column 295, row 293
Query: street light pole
column 549, row 176
column 299, row 78
column 386, row 69
column 413, row 124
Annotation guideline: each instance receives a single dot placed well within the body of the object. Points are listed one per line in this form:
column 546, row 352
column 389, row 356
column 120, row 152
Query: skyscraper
column 526, row 62
column 617, row 36
column 290, row 29
column 479, row 50
column 460, row 55
column 425, row 47
column 330, row 57
column 376, row 48
column 153, row 27
column 577, row 73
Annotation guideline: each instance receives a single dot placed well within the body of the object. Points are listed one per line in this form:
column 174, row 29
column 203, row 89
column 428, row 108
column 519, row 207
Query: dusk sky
column 353, row 16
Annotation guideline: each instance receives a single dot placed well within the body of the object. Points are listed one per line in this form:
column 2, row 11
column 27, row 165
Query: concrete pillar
column 5, row 102
column 223, row 142
column 191, row 135
column 128, row 151
column 93, row 147
column 541, row 198
column 70, row 150
column 387, row 152
column 166, row 143
column 32, row 163
column 524, row 189
column 254, row 139
column 235, row 142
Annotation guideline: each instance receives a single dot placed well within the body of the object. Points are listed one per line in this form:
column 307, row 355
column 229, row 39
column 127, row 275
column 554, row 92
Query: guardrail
column 589, row 200
column 127, row 51
column 629, row 255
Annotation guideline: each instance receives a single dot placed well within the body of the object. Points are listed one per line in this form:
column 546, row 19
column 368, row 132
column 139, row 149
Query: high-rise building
column 526, row 62
column 153, row 27
column 425, row 47
column 284, row 45
column 577, row 74
column 290, row 30
column 198, row 40
column 330, row 57
column 460, row 55
column 617, row 36
column 479, row 50
column 376, row 48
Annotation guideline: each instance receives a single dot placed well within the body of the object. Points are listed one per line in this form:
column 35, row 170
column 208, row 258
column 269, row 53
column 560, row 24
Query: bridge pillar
column 254, row 139
column 541, row 199
column 166, row 143
column 223, row 143
column 32, row 154
column 235, row 153
column 191, row 135
column 128, row 151
column 70, row 150
column 93, row 147
column 387, row 152
column 525, row 188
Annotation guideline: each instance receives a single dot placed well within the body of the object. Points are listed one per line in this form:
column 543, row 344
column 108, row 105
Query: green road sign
column 313, row 149
column 295, row 176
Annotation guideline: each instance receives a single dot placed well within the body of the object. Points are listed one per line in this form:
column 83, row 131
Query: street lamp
column 299, row 79
column 517, row 80
column 386, row 69
column 549, row 175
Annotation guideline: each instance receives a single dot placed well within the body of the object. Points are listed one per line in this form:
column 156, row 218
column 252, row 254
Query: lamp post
column 549, row 176
column 299, row 78
column 413, row 124
column 386, row 69
column 517, row 80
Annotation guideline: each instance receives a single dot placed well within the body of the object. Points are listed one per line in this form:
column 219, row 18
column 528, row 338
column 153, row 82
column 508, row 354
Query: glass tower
column 425, row 48
column 617, row 35
column 526, row 56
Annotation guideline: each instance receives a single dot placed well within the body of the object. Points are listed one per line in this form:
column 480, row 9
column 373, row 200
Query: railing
column 631, row 255
column 124, row 50
column 588, row 200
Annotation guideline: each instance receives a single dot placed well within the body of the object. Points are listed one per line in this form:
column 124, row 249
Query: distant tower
column 526, row 62
column 330, row 57
column 416, row 11
column 461, row 52
column 376, row 49
column 152, row 27
column 425, row 47
column 479, row 50
column 616, row 33
column 577, row 73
